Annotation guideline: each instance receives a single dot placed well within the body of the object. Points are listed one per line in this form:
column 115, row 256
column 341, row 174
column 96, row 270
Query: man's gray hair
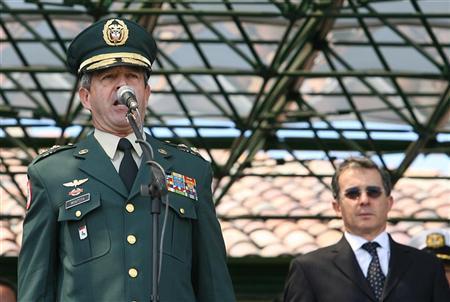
column 85, row 80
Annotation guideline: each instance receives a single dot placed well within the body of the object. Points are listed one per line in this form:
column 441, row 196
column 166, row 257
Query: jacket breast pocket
column 84, row 235
column 178, row 235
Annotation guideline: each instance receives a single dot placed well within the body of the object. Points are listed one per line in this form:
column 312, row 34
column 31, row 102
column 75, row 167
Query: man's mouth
column 365, row 214
column 119, row 107
column 117, row 103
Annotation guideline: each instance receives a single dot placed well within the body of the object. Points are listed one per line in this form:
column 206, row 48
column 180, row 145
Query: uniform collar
column 109, row 142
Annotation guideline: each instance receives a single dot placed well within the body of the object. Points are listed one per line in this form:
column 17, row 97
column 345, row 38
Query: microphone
column 127, row 97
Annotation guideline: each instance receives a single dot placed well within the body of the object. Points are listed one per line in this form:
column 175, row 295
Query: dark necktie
column 128, row 168
column 375, row 275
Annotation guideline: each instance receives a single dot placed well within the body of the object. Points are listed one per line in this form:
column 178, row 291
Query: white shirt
column 363, row 256
column 109, row 144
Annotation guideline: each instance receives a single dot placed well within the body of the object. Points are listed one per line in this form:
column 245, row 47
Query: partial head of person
column 362, row 196
column 8, row 292
column 106, row 56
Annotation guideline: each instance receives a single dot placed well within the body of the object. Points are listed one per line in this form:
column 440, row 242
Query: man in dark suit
column 366, row 264
column 87, row 231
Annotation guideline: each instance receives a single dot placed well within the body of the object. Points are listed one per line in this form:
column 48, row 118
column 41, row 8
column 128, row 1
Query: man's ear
column 148, row 91
column 84, row 94
column 337, row 207
column 390, row 202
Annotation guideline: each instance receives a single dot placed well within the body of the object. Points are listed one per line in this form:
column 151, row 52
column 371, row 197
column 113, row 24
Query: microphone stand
column 156, row 189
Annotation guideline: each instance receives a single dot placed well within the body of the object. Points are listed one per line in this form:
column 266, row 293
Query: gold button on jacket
column 131, row 239
column 132, row 272
column 129, row 207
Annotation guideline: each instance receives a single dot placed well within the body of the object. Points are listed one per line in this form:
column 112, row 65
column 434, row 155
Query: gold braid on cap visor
column 104, row 60
column 443, row 256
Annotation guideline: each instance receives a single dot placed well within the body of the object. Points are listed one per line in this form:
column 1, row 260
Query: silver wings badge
column 75, row 183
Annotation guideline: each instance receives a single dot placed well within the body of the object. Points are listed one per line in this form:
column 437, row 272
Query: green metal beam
column 295, row 143
column 246, row 72
column 217, row 13
column 437, row 119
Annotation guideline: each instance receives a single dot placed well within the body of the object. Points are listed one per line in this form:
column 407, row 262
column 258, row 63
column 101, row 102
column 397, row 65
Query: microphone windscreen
column 124, row 93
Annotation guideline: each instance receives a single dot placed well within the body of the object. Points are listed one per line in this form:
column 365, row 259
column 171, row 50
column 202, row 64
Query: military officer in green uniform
column 87, row 232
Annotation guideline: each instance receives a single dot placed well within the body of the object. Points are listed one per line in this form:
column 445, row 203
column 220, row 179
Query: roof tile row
column 288, row 197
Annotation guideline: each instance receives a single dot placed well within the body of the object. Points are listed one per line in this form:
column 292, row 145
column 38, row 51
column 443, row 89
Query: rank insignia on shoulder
column 44, row 150
column 52, row 150
column 187, row 149
column 162, row 151
column 182, row 184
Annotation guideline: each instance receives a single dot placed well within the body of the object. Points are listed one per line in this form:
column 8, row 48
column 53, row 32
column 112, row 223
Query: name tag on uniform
column 78, row 200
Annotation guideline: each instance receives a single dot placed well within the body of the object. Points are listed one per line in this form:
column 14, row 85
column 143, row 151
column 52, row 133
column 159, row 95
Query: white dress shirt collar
column 109, row 142
column 363, row 257
column 356, row 241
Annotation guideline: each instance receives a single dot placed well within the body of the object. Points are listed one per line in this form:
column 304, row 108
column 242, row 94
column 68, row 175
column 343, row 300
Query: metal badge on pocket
column 82, row 231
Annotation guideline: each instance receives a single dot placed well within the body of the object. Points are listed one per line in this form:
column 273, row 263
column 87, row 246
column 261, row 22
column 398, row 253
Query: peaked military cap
column 111, row 42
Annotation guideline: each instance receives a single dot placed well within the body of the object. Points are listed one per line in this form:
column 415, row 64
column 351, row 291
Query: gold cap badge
column 435, row 240
column 115, row 32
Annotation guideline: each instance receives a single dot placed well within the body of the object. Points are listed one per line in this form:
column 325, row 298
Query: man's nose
column 121, row 81
column 364, row 198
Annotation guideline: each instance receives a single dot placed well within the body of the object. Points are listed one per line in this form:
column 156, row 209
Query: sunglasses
column 355, row 192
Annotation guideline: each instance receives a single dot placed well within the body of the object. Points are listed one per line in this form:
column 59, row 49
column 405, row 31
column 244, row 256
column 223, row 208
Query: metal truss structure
column 297, row 79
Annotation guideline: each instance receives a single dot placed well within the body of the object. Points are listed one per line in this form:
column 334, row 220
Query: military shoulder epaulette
column 183, row 147
column 52, row 150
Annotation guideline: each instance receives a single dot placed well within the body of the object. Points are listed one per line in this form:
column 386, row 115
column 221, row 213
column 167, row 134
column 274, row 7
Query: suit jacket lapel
column 95, row 162
column 399, row 262
column 346, row 262
column 162, row 157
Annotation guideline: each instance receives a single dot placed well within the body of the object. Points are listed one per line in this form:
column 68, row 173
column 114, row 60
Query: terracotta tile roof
column 307, row 196
column 281, row 196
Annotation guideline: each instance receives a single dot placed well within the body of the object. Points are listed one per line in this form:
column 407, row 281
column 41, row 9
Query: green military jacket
column 86, row 239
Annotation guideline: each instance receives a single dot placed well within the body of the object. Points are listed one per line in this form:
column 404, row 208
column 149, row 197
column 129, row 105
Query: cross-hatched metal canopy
column 308, row 79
